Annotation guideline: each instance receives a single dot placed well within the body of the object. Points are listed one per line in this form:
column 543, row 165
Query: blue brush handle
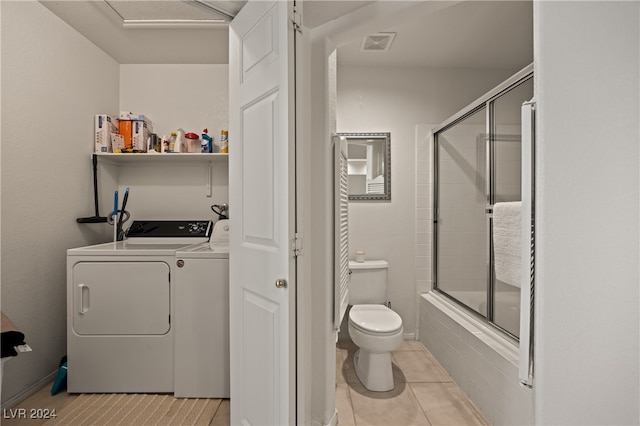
column 115, row 205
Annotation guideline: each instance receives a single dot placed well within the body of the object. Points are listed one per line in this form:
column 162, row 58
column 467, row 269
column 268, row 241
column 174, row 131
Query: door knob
column 281, row 283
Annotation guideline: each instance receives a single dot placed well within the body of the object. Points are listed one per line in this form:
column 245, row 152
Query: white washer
column 202, row 318
column 121, row 309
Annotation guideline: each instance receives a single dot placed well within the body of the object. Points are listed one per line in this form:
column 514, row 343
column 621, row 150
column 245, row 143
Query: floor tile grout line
column 213, row 416
column 347, row 383
column 419, row 404
column 353, row 409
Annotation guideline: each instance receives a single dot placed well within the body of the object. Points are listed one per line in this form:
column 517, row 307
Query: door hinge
column 296, row 20
column 296, row 244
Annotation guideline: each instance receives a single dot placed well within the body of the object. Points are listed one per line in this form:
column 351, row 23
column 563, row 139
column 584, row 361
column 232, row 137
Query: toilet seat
column 375, row 320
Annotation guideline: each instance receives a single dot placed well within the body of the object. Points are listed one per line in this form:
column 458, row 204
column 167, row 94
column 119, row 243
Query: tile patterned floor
column 424, row 393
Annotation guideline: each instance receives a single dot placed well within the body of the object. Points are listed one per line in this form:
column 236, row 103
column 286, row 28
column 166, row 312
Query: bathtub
column 482, row 361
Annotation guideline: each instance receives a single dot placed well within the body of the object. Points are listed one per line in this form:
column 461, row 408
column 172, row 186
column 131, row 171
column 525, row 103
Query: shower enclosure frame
column 486, row 102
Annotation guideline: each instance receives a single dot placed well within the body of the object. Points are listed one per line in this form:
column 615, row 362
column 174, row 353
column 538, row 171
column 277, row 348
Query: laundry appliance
column 201, row 368
column 121, row 308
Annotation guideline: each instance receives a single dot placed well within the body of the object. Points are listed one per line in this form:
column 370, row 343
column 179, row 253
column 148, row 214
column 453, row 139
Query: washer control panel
column 170, row 228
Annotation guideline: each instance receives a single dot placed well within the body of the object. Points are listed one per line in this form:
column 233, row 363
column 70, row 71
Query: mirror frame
column 387, row 165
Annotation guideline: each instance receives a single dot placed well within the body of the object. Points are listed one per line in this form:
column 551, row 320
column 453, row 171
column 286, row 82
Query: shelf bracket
column 209, row 178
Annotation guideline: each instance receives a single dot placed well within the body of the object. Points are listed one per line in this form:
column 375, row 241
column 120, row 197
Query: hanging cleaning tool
column 123, row 213
column 115, row 217
column 97, row 218
column 221, row 210
column 119, row 216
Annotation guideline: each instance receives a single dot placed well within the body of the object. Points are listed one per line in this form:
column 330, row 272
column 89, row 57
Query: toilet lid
column 375, row 318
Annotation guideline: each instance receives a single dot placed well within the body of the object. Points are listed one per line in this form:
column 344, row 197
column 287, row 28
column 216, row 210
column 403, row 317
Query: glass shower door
column 462, row 249
column 506, row 173
column 477, row 164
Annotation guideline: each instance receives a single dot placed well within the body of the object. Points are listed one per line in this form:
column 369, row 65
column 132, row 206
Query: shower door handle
column 488, row 210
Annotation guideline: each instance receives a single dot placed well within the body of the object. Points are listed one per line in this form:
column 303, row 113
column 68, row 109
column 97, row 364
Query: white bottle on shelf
column 181, row 145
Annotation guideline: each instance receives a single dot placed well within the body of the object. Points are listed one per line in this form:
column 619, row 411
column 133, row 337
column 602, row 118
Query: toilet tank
column 368, row 282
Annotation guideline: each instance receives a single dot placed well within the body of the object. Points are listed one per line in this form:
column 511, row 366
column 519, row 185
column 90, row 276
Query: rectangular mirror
column 369, row 165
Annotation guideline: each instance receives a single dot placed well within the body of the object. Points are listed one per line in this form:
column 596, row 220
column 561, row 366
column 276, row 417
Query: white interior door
column 261, row 193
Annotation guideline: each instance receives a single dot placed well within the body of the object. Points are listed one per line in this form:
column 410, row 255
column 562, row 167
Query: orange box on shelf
column 125, row 129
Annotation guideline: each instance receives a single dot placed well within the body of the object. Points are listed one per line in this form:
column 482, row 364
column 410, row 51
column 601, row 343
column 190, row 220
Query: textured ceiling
column 469, row 34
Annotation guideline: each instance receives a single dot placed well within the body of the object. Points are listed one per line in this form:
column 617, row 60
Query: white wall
column 53, row 82
column 317, row 262
column 190, row 96
column 396, row 99
column 587, row 339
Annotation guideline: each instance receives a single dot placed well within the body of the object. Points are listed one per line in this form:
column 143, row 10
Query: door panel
column 258, row 122
column 507, row 173
column 261, row 189
column 121, row 298
column 462, row 247
column 261, row 366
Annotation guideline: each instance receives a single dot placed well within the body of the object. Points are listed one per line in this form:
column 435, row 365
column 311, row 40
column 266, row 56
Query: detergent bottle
column 207, row 142
column 180, row 145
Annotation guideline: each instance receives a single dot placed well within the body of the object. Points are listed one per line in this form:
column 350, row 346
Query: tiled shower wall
column 482, row 362
column 424, row 214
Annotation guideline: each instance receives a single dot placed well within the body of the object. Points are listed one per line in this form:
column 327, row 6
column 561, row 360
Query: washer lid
column 375, row 318
column 220, row 234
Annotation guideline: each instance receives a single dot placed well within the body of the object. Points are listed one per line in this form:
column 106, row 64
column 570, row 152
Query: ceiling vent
column 379, row 42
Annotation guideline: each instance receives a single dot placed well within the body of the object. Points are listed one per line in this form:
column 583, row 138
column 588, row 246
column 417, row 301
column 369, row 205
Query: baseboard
column 18, row 398
column 409, row 336
column 334, row 419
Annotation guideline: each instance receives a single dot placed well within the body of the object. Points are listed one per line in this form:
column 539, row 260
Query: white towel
column 506, row 241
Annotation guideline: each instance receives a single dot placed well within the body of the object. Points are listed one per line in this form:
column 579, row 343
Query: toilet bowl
column 377, row 331
column 373, row 327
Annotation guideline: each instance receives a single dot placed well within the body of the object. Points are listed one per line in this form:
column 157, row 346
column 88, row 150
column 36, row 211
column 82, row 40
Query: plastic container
column 125, row 128
column 224, row 141
column 206, row 144
column 172, row 142
column 192, row 142
column 180, row 145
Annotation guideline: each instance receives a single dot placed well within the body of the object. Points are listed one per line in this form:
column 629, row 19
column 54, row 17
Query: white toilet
column 373, row 327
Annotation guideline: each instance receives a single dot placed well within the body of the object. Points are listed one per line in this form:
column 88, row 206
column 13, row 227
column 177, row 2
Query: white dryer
column 121, row 310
